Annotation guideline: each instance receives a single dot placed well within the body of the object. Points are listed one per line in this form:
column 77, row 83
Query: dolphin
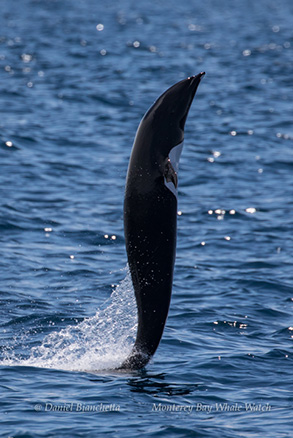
column 150, row 213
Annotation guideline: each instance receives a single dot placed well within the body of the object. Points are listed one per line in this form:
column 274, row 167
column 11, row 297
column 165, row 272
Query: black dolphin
column 150, row 213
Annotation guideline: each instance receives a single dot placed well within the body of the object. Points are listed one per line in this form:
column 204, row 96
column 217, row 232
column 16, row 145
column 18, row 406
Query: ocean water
column 76, row 77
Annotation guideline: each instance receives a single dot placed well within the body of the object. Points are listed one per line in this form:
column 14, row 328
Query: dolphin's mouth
column 197, row 77
column 194, row 82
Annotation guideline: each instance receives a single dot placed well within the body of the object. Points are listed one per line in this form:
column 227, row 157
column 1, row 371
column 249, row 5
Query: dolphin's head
column 168, row 114
column 159, row 138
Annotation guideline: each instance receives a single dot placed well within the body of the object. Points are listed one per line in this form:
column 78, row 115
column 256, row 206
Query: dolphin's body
column 150, row 213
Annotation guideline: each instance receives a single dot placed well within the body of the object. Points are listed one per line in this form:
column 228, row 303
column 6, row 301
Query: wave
column 97, row 343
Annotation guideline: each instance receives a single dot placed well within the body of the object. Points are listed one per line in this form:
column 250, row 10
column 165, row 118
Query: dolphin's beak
column 199, row 76
column 194, row 83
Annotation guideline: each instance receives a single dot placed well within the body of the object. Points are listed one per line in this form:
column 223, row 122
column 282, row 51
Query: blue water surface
column 76, row 77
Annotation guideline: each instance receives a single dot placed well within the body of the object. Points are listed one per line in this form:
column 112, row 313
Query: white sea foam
column 97, row 343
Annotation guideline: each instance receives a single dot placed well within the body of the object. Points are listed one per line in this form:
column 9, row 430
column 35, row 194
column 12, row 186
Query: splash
column 97, row 343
